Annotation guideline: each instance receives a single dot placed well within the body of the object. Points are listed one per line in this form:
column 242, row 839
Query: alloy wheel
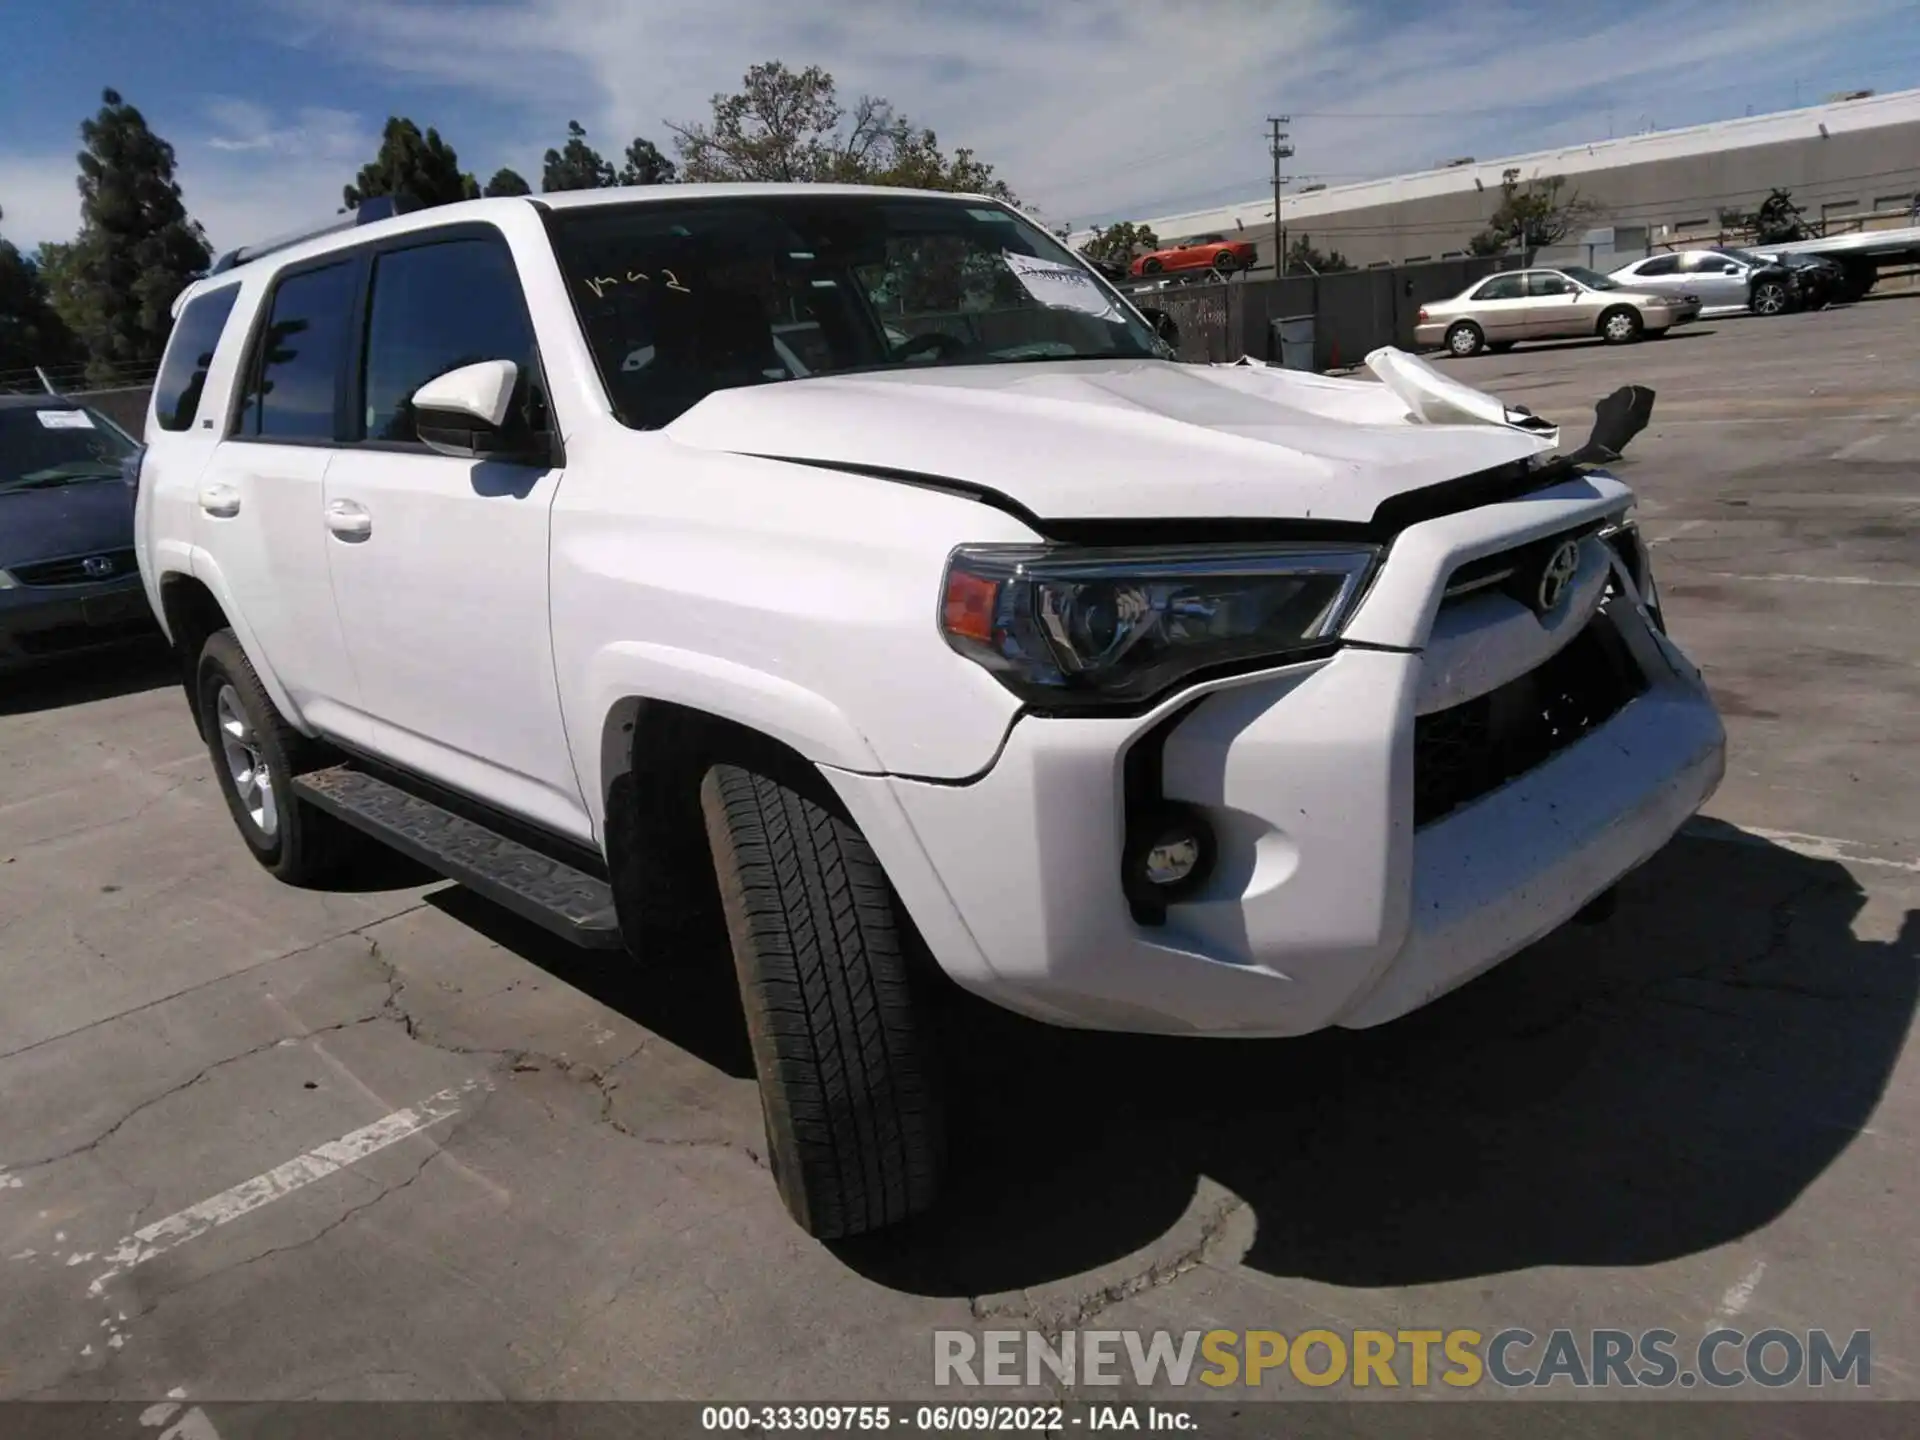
column 247, row 769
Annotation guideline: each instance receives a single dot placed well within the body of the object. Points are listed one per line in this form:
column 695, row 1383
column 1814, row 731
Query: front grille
column 1471, row 749
column 74, row 569
column 1515, row 571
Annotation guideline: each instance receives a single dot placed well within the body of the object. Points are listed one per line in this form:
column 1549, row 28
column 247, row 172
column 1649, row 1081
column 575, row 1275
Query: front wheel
column 1151, row 266
column 1770, row 298
column 1620, row 327
column 1465, row 339
column 256, row 754
column 1226, row 261
column 842, row 1051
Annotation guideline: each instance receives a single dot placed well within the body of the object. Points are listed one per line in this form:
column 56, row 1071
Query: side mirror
column 1162, row 323
column 465, row 413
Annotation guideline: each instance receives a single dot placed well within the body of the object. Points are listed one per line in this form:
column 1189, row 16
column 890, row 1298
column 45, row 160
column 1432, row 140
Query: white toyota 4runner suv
column 859, row 563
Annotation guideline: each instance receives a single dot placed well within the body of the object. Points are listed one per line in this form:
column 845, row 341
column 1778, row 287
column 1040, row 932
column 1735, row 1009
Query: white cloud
column 1092, row 108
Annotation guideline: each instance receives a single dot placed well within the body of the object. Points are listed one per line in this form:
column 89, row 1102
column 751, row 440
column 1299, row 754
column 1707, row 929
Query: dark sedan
column 68, row 579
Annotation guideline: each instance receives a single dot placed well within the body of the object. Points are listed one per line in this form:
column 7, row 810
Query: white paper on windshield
column 65, row 419
column 1064, row 286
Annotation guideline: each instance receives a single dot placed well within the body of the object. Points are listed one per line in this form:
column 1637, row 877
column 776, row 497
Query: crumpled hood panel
column 1130, row 439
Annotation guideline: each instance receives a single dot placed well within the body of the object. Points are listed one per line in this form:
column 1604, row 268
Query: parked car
column 68, row 581
column 1202, row 252
column 1500, row 311
column 1127, row 694
column 1728, row 281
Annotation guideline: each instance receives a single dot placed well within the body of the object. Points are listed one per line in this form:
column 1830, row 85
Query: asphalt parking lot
column 386, row 1143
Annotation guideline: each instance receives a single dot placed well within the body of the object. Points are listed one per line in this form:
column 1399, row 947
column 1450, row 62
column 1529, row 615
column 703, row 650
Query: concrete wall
column 1841, row 174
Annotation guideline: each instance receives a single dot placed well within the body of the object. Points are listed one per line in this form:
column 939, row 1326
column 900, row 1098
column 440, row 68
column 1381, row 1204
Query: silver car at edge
column 1565, row 302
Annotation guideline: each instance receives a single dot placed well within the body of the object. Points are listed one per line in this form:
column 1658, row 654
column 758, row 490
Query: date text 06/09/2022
column 943, row 1419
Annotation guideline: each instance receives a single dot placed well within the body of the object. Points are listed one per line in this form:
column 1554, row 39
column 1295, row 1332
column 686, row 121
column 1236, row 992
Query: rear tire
column 843, row 1055
column 256, row 754
column 1465, row 338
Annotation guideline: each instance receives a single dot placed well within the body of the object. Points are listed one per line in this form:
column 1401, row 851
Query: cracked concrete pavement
column 1703, row 1111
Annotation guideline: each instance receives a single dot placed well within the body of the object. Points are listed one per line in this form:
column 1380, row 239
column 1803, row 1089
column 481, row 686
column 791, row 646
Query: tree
column 1119, row 242
column 421, row 167
column 576, row 165
column 647, row 166
column 1536, row 215
column 507, row 182
column 1302, row 256
column 115, row 284
column 787, row 125
column 31, row 331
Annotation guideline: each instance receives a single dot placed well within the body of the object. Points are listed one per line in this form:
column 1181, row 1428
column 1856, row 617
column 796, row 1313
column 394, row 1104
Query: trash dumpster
column 1293, row 341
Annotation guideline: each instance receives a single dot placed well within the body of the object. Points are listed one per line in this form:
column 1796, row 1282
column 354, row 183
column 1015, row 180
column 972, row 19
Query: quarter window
column 293, row 394
column 436, row 308
column 183, row 374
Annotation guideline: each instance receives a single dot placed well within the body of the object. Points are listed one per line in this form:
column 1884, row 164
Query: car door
column 1556, row 307
column 440, row 563
column 1656, row 275
column 1715, row 279
column 261, row 495
column 1499, row 308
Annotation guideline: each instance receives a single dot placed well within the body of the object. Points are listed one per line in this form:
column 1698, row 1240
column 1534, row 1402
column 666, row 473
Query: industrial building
column 1844, row 161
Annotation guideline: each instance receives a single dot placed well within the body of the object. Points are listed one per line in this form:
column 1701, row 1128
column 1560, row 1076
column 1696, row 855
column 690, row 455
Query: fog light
column 1170, row 853
column 1172, row 858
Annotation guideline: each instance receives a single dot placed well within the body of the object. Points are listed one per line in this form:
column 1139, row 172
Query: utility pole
column 1281, row 150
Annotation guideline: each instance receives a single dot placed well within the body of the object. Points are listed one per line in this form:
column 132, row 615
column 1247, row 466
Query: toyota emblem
column 98, row 566
column 1558, row 574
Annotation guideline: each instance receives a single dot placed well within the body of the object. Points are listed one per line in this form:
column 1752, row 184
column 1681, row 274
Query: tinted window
column 1501, row 287
column 1660, row 265
column 183, row 374
column 436, row 308
column 296, row 368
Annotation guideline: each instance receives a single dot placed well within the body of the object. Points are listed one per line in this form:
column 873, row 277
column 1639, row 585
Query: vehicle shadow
column 99, row 675
column 1590, row 342
column 1617, row 1095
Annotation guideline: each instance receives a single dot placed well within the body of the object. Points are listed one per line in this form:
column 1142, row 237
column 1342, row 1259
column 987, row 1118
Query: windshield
column 679, row 299
column 1745, row 257
column 57, row 444
column 1592, row 279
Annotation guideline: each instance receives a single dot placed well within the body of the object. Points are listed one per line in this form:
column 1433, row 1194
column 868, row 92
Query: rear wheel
column 256, row 754
column 1465, row 338
column 1620, row 325
column 842, row 1051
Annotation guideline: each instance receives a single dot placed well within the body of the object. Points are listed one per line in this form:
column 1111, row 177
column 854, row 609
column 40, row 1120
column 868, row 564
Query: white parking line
column 243, row 1199
column 1814, row 579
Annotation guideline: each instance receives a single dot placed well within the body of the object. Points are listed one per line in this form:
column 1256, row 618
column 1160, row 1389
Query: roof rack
column 376, row 207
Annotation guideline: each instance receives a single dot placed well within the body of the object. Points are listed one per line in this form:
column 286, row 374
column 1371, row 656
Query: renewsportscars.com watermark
column 1408, row 1359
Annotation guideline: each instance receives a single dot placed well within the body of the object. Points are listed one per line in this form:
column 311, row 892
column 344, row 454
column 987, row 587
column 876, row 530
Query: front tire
column 1226, row 262
column 1151, row 266
column 1465, row 338
column 1620, row 326
column 256, row 754
column 1770, row 298
column 843, row 1054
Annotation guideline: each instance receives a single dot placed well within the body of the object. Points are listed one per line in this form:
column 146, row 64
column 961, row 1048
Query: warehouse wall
column 1843, row 173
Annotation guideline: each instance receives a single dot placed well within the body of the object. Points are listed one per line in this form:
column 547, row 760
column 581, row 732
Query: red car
column 1203, row 252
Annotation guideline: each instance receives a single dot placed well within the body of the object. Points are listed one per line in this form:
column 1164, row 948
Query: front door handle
column 349, row 520
column 219, row 500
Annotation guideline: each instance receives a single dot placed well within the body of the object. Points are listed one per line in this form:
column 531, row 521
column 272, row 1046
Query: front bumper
column 1327, row 906
column 39, row 623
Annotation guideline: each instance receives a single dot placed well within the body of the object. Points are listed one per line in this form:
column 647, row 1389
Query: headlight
column 7, row 582
column 1065, row 627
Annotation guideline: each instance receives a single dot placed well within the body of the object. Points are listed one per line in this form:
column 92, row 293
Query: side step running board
column 535, row 886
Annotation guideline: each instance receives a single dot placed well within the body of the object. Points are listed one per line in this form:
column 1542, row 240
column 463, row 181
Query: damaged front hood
column 1135, row 439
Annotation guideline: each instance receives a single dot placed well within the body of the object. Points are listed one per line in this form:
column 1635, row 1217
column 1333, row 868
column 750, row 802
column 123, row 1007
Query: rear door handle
column 219, row 500
column 349, row 520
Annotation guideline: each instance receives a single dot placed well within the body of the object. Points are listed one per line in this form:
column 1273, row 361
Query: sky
column 1092, row 110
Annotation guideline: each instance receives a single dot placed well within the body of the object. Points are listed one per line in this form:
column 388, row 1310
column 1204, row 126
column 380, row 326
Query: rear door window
column 293, row 391
column 1660, row 265
column 1501, row 287
column 183, row 373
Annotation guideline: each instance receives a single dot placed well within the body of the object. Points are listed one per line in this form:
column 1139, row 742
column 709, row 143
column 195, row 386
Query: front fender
column 629, row 670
